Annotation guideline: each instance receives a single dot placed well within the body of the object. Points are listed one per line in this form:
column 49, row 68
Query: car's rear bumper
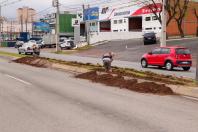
column 149, row 41
column 183, row 63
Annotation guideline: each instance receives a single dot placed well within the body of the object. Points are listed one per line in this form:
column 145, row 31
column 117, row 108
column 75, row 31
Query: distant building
column 26, row 15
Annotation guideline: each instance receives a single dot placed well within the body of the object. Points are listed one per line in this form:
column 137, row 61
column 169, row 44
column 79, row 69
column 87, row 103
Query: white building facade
column 124, row 21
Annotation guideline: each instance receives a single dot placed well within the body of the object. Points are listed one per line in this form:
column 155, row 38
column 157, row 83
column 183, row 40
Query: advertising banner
column 91, row 13
column 41, row 27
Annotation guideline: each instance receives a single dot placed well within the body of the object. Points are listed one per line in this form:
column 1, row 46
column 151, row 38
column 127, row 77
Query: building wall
column 189, row 24
column 120, row 25
column 15, row 27
column 26, row 14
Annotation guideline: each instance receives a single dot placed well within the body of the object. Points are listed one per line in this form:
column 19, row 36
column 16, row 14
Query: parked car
column 29, row 48
column 18, row 44
column 168, row 57
column 39, row 42
column 149, row 38
column 67, row 44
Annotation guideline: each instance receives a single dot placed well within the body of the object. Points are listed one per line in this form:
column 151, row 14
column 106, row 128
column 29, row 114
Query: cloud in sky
column 38, row 5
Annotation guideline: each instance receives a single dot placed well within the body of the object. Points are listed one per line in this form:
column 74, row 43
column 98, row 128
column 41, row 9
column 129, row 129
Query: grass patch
column 2, row 53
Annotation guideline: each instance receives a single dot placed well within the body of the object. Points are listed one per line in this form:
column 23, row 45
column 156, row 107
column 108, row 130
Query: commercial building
column 26, row 14
column 129, row 20
column 65, row 23
column 121, row 21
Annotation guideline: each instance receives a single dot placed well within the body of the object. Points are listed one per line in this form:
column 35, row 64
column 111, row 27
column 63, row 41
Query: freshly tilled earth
column 131, row 84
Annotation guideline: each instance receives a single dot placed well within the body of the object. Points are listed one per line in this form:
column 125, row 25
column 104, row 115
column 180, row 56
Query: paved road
column 132, row 50
column 124, row 64
column 44, row 100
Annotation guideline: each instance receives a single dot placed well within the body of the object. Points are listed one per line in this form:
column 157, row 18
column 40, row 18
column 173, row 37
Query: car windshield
column 36, row 39
column 182, row 51
column 149, row 34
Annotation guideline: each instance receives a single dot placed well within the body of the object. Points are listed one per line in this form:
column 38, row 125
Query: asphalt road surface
column 132, row 50
column 118, row 63
column 44, row 100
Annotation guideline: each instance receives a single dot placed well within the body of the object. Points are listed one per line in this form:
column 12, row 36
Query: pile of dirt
column 49, row 63
column 130, row 84
column 34, row 61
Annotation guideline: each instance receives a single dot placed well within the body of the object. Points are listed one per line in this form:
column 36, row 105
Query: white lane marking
column 22, row 81
column 192, row 98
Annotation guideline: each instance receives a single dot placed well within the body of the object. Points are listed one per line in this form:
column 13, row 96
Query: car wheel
column 186, row 68
column 26, row 53
column 144, row 63
column 169, row 65
column 38, row 53
column 19, row 52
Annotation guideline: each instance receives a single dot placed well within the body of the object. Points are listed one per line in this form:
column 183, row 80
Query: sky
column 38, row 5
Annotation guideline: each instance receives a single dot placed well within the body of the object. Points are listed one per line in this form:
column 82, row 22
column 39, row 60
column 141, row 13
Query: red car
column 168, row 57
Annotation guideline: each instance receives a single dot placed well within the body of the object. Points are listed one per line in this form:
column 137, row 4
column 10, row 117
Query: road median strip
column 139, row 81
column 145, row 79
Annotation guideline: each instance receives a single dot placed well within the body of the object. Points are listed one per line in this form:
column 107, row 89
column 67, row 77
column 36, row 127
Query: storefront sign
column 107, row 13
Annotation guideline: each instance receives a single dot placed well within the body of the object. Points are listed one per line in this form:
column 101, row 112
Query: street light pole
column 163, row 32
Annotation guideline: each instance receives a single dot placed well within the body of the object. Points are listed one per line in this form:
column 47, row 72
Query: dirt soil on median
column 150, row 82
column 130, row 84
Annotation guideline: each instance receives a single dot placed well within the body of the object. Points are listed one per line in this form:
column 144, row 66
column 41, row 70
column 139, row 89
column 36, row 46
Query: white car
column 19, row 44
column 30, row 47
column 67, row 44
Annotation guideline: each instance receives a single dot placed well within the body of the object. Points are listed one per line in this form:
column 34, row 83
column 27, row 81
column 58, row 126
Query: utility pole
column 56, row 4
column 21, row 17
column 164, row 17
column 26, row 22
column 197, row 68
column 1, row 20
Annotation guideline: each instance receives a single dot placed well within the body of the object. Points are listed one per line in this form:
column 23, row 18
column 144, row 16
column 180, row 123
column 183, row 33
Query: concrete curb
column 177, row 39
column 99, row 43
column 185, row 90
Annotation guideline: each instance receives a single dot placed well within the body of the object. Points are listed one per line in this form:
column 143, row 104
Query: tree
column 170, row 7
column 195, row 10
column 182, row 7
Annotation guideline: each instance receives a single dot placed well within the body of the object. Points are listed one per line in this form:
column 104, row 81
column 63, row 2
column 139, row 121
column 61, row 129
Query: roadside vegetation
column 11, row 54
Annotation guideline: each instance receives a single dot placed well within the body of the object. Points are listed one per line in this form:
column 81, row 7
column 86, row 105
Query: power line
column 11, row 3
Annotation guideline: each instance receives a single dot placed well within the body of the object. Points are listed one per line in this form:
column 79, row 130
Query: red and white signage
column 107, row 13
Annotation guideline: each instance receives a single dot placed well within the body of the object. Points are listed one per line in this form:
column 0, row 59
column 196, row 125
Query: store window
column 115, row 21
column 93, row 24
column 147, row 18
column 154, row 18
column 120, row 21
column 148, row 28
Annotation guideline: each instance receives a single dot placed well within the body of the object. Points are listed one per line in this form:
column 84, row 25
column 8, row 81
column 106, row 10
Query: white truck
column 49, row 40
